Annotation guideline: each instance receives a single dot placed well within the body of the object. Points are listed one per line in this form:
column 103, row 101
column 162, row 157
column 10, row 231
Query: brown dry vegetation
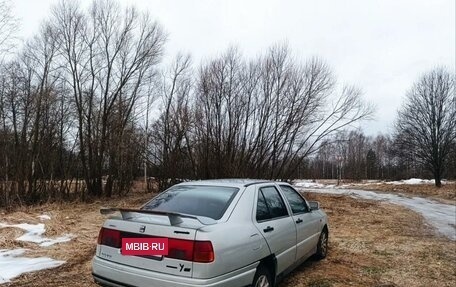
column 371, row 244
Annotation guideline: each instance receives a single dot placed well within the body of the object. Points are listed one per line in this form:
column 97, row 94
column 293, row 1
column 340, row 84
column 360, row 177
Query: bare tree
column 171, row 132
column 426, row 124
column 263, row 118
column 380, row 145
column 107, row 55
column 8, row 26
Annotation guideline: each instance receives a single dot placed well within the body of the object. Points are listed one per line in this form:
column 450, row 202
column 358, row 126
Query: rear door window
column 262, row 208
column 199, row 200
column 270, row 204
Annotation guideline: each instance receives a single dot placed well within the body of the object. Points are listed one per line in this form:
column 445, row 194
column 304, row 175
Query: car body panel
column 281, row 239
column 113, row 274
column 159, row 264
column 238, row 239
column 308, row 226
column 308, row 232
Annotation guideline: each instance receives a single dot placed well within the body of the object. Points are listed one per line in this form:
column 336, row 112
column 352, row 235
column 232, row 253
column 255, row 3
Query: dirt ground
column 371, row 244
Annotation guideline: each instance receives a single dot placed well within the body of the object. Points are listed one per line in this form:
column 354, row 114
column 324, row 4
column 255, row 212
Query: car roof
column 234, row 182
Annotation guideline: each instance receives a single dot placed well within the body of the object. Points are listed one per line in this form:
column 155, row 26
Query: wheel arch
column 270, row 262
column 325, row 228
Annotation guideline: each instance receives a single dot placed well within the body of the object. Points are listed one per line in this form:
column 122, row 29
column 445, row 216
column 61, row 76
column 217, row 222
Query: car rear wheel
column 322, row 247
column 262, row 277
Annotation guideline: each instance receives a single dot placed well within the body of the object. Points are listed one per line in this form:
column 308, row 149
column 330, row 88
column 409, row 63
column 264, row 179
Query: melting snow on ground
column 12, row 264
column 412, row 181
column 34, row 233
column 309, row 184
column 441, row 216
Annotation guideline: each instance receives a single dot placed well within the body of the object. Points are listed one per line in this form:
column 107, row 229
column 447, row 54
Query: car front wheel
column 262, row 278
column 322, row 247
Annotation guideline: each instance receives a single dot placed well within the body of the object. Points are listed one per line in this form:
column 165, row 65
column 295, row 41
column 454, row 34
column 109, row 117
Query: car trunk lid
column 180, row 229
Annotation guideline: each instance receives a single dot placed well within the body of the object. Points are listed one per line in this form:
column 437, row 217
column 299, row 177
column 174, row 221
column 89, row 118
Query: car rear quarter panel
column 236, row 242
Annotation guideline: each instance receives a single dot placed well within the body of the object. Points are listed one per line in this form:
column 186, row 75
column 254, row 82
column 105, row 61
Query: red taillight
column 109, row 237
column 197, row 251
column 180, row 249
column 203, row 252
column 189, row 250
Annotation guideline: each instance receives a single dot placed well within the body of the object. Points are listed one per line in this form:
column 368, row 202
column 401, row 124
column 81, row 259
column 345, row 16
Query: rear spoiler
column 174, row 217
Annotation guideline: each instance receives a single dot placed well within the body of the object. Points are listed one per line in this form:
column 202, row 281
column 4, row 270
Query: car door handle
column 299, row 220
column 268, row 229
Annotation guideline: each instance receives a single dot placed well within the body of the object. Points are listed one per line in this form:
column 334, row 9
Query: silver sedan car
column 230, row 232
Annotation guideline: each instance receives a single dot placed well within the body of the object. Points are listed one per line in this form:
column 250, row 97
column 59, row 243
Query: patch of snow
column 308, row 184
column 44, row 217
column 34, row 233
column 441, row 216
column 13, row 265
column 412, row 181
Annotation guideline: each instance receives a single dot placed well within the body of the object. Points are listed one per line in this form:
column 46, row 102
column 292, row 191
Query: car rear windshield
column 208, row 201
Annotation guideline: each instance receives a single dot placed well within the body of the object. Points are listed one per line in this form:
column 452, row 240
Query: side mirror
column 314, row 205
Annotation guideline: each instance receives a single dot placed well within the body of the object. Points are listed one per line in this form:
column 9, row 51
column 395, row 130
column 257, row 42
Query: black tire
column 322, row 246
column 262, row 277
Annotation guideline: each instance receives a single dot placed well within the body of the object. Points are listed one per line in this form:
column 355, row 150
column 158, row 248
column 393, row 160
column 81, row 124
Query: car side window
column 297, row 203
column 270, row 204
column 262, row 208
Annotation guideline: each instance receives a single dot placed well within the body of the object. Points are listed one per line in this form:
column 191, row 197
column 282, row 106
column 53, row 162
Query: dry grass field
column 371, row 244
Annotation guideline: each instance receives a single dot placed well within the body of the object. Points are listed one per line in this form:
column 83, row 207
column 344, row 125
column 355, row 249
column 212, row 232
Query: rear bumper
column 112, row 274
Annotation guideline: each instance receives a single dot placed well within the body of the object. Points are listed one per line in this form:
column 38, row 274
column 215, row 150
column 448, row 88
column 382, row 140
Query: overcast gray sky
column 381, row 46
